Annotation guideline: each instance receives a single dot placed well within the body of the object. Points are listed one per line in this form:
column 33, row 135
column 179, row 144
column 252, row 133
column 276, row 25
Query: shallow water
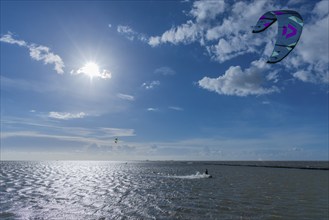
column 159, row 190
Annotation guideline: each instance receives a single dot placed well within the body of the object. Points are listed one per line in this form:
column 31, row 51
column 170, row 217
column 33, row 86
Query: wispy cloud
column 165, row 70
column 152, row 109
column 66, row 115
column 8, row 83
column 277, row 143
column 203, row 10
column 176, row 108
column 236, row 81
column 191, row 31
column 126, row 97
column 305, row 76
column 46, row 129
column 186, row 33
column 59, row 137
column 130, row 34
column 151, row 85
column 118, row 132
column 37, row 52
column 7, row 38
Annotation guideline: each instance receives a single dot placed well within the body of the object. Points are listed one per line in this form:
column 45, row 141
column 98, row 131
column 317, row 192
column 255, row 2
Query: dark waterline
column 307, row 165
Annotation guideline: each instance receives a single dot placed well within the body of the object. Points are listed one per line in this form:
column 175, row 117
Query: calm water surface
column 159, row 190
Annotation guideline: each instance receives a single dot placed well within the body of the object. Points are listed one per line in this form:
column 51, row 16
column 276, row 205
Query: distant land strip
column 270, row 166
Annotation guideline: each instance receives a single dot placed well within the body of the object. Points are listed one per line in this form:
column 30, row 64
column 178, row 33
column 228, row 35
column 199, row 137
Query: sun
column 91, row 70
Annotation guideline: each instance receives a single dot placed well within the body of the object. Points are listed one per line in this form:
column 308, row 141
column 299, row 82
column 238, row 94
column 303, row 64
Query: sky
column 172, row 80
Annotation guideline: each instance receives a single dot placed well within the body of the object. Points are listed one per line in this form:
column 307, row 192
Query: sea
column 164, row 190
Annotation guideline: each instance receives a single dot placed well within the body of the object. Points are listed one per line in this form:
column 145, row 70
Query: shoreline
column 271, row 166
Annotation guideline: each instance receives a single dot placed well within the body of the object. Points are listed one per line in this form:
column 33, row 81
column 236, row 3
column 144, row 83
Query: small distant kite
column 116, row 140
column 290, row 25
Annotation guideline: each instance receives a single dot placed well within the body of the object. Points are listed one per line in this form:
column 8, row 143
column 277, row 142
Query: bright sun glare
column 91, row 69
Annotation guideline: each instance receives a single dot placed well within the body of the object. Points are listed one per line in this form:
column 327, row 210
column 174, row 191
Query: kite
column 290, row 26
column 116, row 140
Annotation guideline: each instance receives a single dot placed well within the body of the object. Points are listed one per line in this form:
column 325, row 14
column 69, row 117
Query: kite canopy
column 290, row 26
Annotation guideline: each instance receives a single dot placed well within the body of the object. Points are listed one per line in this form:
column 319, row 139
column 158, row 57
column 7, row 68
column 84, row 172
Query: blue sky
column 176, row 80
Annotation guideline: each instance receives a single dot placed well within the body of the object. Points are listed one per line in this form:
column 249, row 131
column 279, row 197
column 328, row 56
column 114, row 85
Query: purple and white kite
column 290, row 25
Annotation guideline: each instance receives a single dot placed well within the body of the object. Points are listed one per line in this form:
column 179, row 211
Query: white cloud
column 304, row 76
column 234, row 40
column 7, row 38
column 233, row 36
column 321, row 9
column 118, row 132
column 152, row 109
column 126, row 31
column 176, row 108
column 154, row 41
column 43, row 53
column 223, row 37
column 207, row 10
column 166, row 71
column 236, row 81
column 151, row 85
column 186, row 33
column 130, row 34
column 37, row 52
column 126, row 97
column 92, row 70
column 294, row 2
column 192, row 31
column 229, row 35
column 66, row 115
column 309, row 62
column 273, row 76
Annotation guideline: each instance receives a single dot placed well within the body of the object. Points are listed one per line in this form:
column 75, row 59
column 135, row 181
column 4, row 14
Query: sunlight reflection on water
column 137, row 190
